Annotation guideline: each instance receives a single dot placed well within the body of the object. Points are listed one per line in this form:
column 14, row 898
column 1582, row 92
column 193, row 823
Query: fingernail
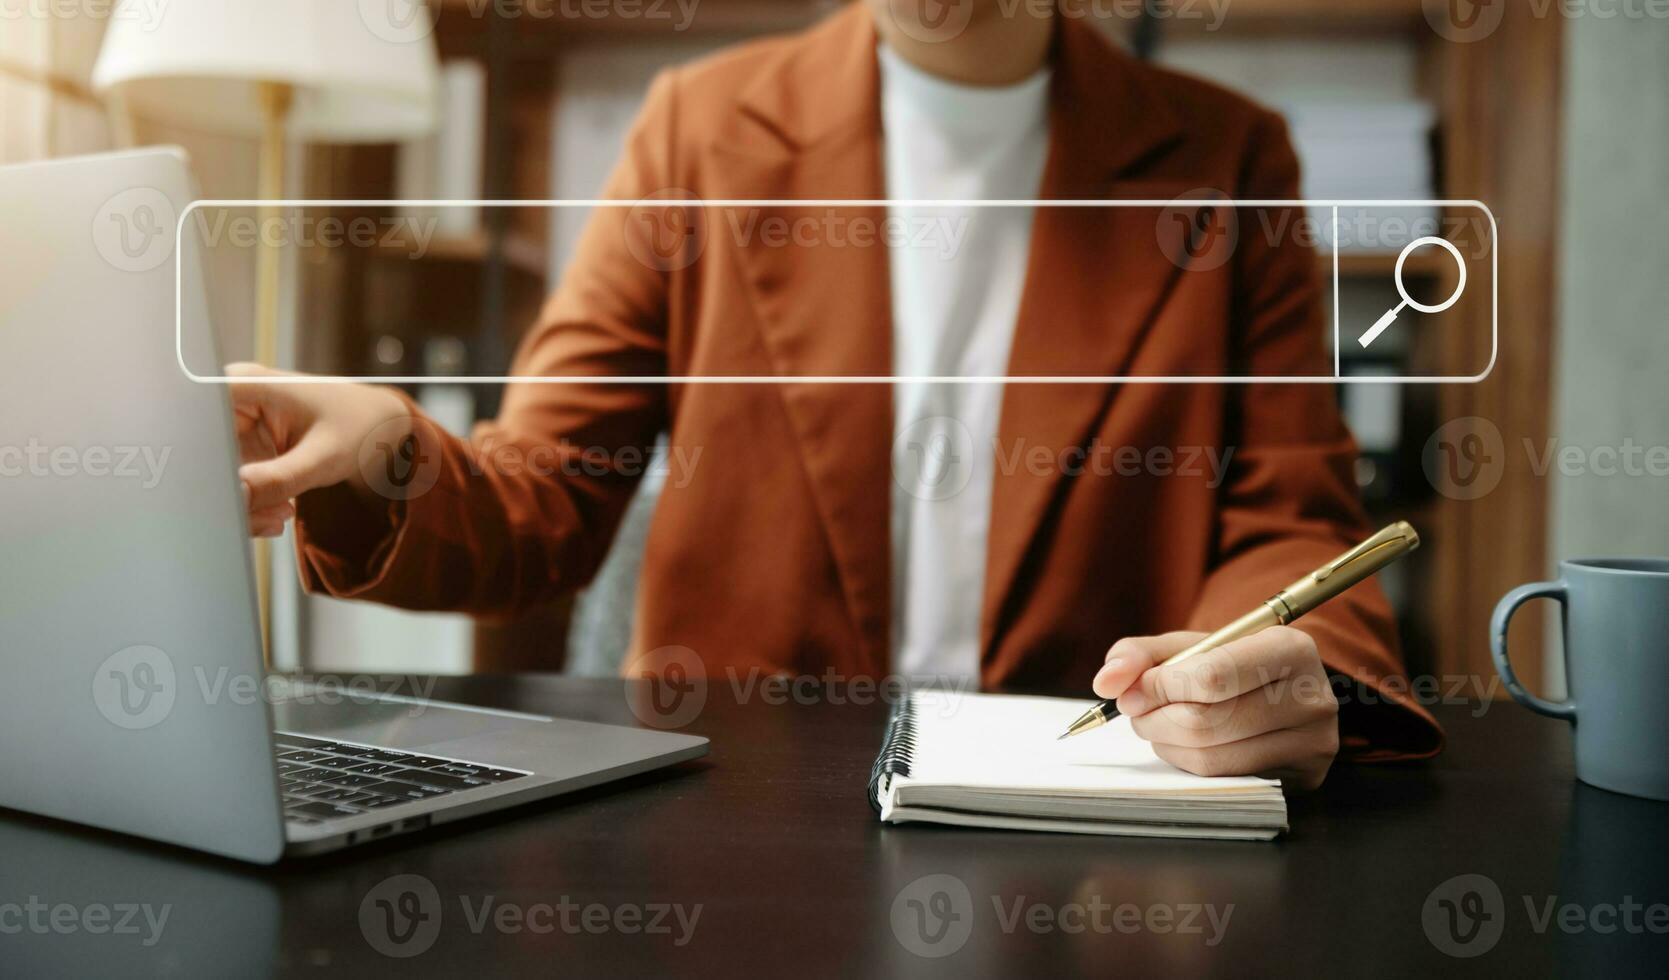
column 1132, row 703
column 1115, row 663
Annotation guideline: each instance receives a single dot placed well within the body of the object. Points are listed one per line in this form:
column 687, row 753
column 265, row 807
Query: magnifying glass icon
column 1390, row 316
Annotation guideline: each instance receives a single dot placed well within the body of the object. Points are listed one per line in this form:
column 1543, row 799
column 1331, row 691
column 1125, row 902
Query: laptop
column 133, row 695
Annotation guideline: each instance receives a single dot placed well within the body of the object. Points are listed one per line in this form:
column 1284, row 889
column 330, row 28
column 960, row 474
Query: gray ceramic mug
column 1616, row 631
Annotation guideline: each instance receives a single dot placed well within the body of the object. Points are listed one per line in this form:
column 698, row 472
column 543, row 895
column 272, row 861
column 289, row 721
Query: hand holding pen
column 1254, row 696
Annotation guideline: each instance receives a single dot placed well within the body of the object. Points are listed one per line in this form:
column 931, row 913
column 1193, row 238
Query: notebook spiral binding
column 897, row 748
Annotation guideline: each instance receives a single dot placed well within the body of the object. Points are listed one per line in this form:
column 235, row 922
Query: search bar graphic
column 1133, row 268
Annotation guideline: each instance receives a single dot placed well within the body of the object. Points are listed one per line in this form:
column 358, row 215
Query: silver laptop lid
column 129, row 646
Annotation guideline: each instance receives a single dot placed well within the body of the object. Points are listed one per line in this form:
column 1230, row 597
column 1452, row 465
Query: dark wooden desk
column 773, row 839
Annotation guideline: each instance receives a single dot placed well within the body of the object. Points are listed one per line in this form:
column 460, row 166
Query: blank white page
column 998, row 742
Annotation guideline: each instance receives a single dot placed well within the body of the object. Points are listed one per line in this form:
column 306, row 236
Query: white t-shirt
column 957, row 274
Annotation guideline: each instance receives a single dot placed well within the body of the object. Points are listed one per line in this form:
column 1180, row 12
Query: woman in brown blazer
column 775, row 552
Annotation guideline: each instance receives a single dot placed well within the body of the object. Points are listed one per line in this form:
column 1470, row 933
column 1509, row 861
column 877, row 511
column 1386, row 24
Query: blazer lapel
column 811, row 129
column 1095, row 280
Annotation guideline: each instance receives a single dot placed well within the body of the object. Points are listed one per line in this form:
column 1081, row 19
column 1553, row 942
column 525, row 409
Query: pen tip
column 1093, row 718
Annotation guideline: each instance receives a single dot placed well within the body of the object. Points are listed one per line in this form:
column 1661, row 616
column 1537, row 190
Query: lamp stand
column 275, row 100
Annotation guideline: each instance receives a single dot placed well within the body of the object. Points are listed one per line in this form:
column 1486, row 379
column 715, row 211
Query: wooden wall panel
column 1500, row 104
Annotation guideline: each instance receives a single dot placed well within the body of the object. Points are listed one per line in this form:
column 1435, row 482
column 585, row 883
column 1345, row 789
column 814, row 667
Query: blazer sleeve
column 524, row 509
column 1290, row 502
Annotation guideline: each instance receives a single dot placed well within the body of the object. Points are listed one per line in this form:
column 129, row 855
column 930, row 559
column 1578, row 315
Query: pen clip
column 1398, row 537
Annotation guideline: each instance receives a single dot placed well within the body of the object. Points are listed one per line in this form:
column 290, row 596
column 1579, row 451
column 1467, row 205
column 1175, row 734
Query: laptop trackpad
column 393, row 724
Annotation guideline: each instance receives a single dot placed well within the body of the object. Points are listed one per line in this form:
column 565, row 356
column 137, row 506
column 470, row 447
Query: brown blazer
column 774, row 553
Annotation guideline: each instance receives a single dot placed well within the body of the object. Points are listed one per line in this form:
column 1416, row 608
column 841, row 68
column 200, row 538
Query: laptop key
column 297, row 788
column 378, row 802
column 384, row 755
column 462, row 770
column 424, row 761
column 469, row 770
column 311, row 774
column 350, row 779
column 439, row 780
column 408, row 791
column 356, row 750
column 286, row 740
column 375, row 768
column 323, row 811
column 341, row 762
column 302, row 755
column 341, row 796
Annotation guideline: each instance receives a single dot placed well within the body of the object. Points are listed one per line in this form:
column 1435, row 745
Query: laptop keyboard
column 323, row 780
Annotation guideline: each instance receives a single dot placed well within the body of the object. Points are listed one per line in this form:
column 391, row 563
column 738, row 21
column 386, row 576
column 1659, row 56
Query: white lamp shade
column 362, row 70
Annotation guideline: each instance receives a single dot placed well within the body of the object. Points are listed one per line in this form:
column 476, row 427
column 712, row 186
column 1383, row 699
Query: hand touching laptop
column 299, row 437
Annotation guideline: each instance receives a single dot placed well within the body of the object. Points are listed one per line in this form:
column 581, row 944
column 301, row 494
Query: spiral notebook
column 992, row 760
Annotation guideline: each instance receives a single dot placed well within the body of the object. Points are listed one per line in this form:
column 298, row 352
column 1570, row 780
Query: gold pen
column 1288, row 604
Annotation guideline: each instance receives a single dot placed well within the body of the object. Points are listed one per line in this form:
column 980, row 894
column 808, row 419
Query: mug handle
column 1498, row 645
